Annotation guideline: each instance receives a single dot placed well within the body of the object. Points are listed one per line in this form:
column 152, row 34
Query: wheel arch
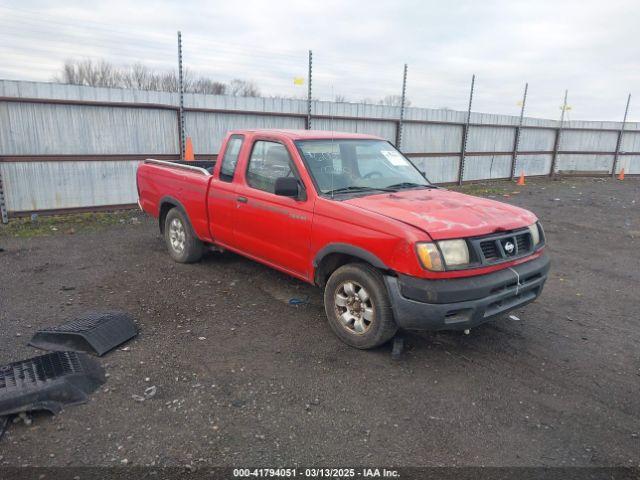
column 335, row 255
column 167, row 203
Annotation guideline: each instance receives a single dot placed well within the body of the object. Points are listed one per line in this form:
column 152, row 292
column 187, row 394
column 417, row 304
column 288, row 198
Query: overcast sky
column 590, row 48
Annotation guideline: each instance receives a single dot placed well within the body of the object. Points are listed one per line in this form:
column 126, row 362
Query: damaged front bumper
column 462, row 303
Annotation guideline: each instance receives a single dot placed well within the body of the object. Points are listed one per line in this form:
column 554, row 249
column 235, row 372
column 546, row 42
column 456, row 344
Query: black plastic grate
column 489, row 250
column 492, row 252
column 94, row 332
column 48, row 382
column 523, row 242
column 39, row 370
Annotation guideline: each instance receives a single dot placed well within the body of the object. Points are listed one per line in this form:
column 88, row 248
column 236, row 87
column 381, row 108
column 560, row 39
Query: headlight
column 455, row 252
column 535, row 234
column 429, row 256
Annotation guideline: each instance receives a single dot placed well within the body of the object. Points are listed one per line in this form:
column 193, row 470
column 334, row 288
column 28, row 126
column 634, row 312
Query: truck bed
column 184, row 183
column 206, row 164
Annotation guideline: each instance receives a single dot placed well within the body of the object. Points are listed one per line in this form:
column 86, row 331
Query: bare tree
column 243, row 88
column 169, row 81
column 394, row 101
column 206, row 85
column 340, row 99
column 86, row 72
column 138, row 76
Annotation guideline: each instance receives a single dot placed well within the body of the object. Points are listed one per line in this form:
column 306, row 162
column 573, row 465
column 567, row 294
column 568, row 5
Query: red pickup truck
column 351, row 214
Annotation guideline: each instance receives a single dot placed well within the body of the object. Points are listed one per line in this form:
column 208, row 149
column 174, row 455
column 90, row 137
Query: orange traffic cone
column 521, row 179
column 621, row 175
column 188, row 151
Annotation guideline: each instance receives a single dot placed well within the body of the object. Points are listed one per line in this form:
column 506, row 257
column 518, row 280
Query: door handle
column 242, row 199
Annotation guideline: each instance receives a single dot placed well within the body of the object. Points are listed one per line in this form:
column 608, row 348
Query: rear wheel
column 358, row 307
column 183, row 245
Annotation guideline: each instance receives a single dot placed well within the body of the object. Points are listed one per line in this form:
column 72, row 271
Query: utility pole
column 465, row 133
column 619, row 142
column 181, row 92
column 309, row 91
column 516, row 143
column 402, row 103
column 556, row 147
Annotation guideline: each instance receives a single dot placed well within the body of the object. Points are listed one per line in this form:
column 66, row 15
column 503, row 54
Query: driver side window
column 268, row 161
column 230, row 158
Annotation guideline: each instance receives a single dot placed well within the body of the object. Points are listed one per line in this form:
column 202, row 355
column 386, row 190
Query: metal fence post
column 556, row 145
column 181, row 92
column 402, row 102
column 3, row 206
column 619, row 142
column 465, row 133
column 309, row 90
column 516, row 143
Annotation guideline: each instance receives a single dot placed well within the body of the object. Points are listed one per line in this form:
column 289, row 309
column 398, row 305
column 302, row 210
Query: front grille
column 504, row 246
column 523, row 241
column 489, row 250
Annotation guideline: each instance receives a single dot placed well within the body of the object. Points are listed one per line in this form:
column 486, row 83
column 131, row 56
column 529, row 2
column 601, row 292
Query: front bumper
column 461, row 303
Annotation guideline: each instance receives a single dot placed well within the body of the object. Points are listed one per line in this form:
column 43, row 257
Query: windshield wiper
column 359, row 188
column 409, row 185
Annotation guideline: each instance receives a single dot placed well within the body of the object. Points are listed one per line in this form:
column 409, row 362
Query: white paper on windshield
column 395, row 158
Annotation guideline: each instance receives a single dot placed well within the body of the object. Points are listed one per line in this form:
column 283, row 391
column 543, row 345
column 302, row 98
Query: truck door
column 221, row 197
column 269, row 227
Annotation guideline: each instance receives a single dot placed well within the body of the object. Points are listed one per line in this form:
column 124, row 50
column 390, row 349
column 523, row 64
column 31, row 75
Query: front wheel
column 358, row 307
column 184, row 246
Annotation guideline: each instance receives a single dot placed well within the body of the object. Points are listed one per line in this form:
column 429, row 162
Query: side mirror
column 286, row 187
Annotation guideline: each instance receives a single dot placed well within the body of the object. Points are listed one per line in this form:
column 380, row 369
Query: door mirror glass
column 286, row 187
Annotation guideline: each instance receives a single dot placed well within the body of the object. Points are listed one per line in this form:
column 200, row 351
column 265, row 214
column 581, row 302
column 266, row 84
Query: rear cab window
column 230, row 157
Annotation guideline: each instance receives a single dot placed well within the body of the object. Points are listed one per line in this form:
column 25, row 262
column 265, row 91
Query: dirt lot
column 244, row 378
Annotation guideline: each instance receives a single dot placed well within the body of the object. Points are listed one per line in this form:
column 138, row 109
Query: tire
column 360, row 315
column 182, row 243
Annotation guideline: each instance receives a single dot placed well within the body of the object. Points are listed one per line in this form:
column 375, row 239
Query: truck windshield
column 358, row 166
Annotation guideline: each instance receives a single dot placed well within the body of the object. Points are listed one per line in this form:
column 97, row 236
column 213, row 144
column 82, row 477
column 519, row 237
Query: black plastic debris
column 95, row 332
column 4, row 423
column 49, row 382
column 398, row 347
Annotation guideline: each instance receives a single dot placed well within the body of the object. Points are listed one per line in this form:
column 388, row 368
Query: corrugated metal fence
column 69, row 147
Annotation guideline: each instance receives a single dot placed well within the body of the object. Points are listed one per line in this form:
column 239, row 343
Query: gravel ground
column 245, row 379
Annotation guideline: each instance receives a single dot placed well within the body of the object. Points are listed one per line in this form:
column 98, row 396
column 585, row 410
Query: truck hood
column 445, row 214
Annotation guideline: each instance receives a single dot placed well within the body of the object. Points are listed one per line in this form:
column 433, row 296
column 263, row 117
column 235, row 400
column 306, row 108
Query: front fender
column 350, row 250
